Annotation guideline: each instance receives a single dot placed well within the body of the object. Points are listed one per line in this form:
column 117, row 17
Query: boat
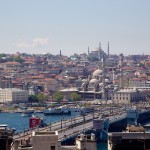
column 86, row 110
column 27, row 112
column 57, row 111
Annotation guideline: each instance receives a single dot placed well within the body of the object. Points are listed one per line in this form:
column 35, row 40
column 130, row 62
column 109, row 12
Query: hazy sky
column 41, row 26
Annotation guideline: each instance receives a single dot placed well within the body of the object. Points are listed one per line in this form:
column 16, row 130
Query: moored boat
column 27, row 112
column 57, row 111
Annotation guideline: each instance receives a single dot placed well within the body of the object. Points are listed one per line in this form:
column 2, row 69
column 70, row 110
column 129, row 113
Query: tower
column 108, row 49
column 103, row 79
column 88, row 51
column 60, row 53
column 121, row 71
column 100, row 46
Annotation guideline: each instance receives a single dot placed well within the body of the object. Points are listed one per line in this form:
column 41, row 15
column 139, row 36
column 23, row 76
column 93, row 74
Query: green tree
column 18, row 59
column 33, row 98
column 75, row 97
column 58, row 96
column 2, row 55
column 41, row 98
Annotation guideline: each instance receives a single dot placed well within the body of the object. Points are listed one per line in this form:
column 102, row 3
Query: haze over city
column 71, row 26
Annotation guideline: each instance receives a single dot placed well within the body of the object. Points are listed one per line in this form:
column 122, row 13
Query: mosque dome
column 96, row 49
column 97, row 72
column 106, row 80
column 93, row 81
column 101, row 84
column 84, row 80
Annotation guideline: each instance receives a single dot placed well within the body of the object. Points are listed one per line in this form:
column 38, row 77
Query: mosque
column 97, row 85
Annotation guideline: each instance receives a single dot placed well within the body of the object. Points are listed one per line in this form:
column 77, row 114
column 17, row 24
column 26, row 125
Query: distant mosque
column 98, row 52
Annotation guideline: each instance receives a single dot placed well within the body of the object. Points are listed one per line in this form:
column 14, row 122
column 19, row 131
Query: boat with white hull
column 57, row 111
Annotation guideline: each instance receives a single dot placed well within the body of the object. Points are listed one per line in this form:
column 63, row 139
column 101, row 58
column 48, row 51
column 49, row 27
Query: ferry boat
column 86, row 110
column 27, row 112
column 57, row 111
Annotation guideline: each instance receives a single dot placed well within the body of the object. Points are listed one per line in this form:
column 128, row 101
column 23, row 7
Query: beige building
column 48, row 140
column 45, row 141
column 128, row 95
column 10, row 65
column 13, row 95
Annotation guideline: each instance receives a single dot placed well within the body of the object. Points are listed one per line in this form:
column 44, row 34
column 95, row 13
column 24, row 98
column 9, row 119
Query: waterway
column 21, row 123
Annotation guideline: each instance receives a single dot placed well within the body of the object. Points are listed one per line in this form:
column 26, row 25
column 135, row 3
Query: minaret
column 121, row 71
column 88, row 51
column 108, row 49
column 60, row 53
column 100, row 46
column 103, row 79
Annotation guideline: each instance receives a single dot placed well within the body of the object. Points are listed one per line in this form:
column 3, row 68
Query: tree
column 58, row 96
column 75, row 97
column 41, row 98
column 2, row 55
column 18, row 59
column 33, row 98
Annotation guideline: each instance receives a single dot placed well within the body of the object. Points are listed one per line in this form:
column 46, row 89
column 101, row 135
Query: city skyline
column 72, row 26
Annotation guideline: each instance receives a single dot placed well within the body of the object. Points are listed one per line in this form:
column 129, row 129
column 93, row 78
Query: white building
column 13, row 95
column 128, row 95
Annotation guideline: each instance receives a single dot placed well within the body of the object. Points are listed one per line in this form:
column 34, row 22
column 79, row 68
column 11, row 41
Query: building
column 45, row 141
column 48, row 140
column 6, row 137
column 11, row 66
column 13, row 95
column 93, row 87
column 128, row 95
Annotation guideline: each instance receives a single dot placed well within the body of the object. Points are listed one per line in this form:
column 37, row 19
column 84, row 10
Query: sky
column 48, row 26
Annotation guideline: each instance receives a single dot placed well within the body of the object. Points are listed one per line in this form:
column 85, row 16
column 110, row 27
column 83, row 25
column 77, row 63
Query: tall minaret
column 121, row 71
column 108, row 49
column 100, row 46
column 103, row 79
column 88, row 51
column 60, row 53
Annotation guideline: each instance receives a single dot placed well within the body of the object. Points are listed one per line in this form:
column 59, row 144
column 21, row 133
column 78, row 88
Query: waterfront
column 21, row 123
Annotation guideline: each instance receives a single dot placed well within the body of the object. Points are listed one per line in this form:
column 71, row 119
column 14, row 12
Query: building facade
column 13, row 95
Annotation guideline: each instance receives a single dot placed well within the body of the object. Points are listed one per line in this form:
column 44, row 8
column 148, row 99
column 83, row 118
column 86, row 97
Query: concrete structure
column 6, row 138
column 121, row 71
column 128, row 95
column 87, row 142
column 137, row 82
column 45, row 141
column 135, row 138
column 11, row 66
column 49, row 141
column 13, row 95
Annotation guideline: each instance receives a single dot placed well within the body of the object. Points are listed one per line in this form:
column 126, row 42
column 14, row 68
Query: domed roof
column 101, row 84
column 96, row 49
column 107, row 80
column 84, row 80
column 97, row 72
column 93, row 81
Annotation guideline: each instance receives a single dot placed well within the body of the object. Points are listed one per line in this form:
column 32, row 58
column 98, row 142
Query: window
column 52, row 148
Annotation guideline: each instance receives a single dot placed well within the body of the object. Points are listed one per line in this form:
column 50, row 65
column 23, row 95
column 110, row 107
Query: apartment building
column 13, row 95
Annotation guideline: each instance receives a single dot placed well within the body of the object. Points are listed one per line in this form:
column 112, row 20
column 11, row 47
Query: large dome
column 97, row 72
column 93, row 81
